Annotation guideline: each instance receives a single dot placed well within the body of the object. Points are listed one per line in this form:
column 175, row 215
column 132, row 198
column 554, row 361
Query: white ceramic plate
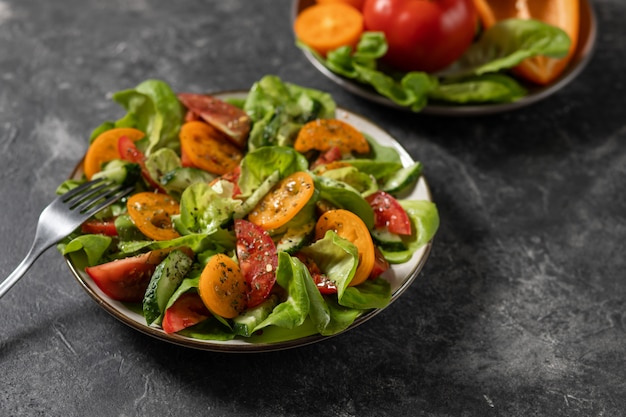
column 584, row 51
column 400, row 276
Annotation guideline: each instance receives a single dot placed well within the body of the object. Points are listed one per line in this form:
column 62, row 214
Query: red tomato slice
column 325, row 285
column 129, row 152
column 389, row 213
column 258, row 260
column 188, row 310
column 380, row 264
column 232, row 176
column 321, row 280
column 331, row 155
column 225, row 117
column 127, row 279
column 99, row 227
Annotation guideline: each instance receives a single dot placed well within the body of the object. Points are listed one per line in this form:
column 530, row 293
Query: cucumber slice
column 120, row 171
column 387, row 240
column 295, row 238
column 399, row 257
column 403, row 179
column 245, row 323
column 165, row 280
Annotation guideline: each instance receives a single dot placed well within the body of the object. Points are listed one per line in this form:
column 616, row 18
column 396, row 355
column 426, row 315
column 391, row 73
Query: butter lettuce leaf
column 94, row 247
column 291, row 274
column 367, row 295
column 259, row 164
column 424, row 219
column 204, row 210
column 153, row 108
column 278, row 110
column 336, row 257
column 479, row 76
column 345, row 196
column 509, row 42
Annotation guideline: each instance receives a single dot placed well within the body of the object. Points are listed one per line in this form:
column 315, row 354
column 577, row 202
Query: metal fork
column 63, row 216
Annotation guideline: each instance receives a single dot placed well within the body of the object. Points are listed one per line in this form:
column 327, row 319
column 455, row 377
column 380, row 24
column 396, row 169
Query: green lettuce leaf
column 291, row 274
column 327, row 316
column 219, row 241
column 153, row 108
column 279, row 109
column 367, row 295
column 204, row 210
column 360, row 181
column 509, row 42
column 424, row 223
column 382, row 153
column 259, row 164
column 93, row 246
column 344, row 196
column 161, row 162
column 476, row 77
column 485, row 88
column 336, row 257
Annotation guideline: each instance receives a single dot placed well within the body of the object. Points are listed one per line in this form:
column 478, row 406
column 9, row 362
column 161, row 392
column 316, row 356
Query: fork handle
column 35, row 251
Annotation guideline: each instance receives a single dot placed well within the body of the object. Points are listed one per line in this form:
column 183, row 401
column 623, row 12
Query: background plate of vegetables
column 261, row 220
column 497, row 56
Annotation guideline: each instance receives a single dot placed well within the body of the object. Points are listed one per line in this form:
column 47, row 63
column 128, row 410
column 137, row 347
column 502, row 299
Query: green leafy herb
column 478, row 77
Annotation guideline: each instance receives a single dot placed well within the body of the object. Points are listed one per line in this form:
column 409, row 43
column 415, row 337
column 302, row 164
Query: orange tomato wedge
column 564, row 14
column 222, row 286
column 328, row 26
column 152, row 214
column 104, row 148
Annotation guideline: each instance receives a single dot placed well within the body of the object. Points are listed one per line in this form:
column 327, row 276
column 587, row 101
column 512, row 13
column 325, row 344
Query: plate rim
column 110, row 307
column 584, row 53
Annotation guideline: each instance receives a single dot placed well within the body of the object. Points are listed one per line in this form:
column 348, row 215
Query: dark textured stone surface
column 520, row 310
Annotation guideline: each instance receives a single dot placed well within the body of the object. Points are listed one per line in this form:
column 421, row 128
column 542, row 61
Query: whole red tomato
column 423, row 35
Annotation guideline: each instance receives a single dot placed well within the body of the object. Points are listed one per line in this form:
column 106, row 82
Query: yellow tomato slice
column 152, row 214
column 283, row 201
column 222, row 286
column 104, row 148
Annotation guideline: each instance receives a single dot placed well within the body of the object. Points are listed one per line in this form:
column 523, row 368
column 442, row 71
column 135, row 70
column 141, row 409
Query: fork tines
column 93, row 196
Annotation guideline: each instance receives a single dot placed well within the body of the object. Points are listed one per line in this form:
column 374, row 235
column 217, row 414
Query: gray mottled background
column 520, row 310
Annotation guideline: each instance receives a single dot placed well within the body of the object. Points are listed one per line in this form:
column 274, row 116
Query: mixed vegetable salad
column 251, row 213
column 481, row 75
